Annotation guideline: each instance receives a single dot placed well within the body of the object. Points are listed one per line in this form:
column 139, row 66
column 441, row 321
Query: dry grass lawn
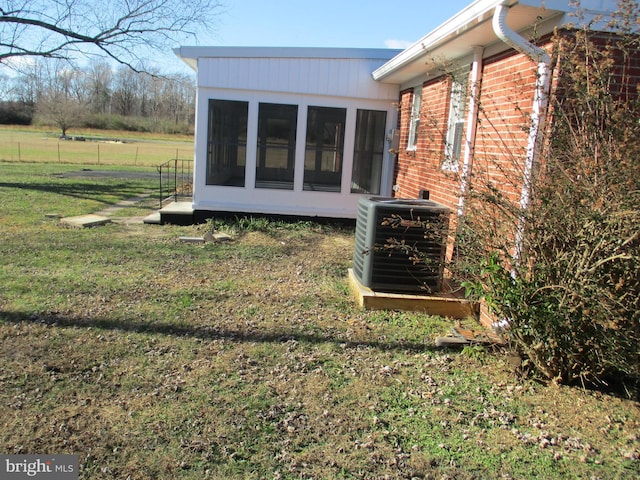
column 152, row 358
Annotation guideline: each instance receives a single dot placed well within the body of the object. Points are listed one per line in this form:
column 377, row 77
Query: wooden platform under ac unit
column 442, row 304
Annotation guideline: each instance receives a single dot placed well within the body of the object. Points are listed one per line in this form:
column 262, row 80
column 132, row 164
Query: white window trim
column 455, row 127
column 414, row 121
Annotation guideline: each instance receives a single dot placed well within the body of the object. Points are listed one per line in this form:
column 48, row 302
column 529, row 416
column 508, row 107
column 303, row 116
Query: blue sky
column 326, row 23
column 318, row 23
column 330, row 23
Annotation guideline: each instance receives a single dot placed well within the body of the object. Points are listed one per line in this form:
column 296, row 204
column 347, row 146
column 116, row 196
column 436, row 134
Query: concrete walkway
column 103, row 216
column 123, row 204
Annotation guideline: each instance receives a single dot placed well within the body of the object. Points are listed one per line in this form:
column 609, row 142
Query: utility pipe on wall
column 472, row 122
column 539, row 109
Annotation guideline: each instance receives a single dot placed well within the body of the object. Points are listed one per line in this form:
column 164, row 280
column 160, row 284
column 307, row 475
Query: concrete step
column 177, row 213
column 85, row 221
column 153, row 219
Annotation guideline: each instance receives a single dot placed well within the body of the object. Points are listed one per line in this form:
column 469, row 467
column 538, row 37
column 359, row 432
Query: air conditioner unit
column 388, row 232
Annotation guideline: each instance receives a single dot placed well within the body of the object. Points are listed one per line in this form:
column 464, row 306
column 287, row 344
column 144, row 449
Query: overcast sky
column 329, row 23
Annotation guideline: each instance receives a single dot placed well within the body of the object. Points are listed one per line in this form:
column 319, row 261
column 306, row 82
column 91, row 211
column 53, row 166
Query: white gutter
column 539, row 109
column 465, row 20
column 472, row 123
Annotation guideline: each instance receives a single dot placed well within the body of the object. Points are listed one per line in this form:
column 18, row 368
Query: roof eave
column 191, row 54
column 472, row 23
column 465, row 19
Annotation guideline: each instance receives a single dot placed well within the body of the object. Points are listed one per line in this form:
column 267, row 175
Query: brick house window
column 414, row 121
column 455, row 127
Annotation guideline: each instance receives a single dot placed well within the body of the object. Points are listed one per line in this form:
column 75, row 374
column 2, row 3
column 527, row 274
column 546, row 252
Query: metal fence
column 176, row 180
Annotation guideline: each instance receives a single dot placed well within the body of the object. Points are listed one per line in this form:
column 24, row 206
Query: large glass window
column 276, row 145
column 368, row 151
column 227, row 143
column 324, row 150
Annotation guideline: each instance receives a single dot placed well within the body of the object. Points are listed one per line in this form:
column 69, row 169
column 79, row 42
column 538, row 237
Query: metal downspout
column 539, row 109
column 472, row 123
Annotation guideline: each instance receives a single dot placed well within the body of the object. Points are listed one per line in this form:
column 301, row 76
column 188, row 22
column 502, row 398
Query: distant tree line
column 98, row 96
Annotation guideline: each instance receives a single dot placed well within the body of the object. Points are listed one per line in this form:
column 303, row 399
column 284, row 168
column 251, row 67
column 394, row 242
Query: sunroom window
column 227, row 143
column 324, row 148
column 276, row 146
column 368, row 151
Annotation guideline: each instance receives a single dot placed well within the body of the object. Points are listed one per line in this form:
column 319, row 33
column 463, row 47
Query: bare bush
column 571, row 293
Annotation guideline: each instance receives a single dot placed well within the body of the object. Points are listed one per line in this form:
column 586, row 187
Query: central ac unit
column 400, row 244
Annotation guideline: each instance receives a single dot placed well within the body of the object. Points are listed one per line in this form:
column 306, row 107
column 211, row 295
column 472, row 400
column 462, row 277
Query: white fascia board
column 191, row 54
column 472, row 22
column 183, row 54
column 564, row 12
column 455, row 26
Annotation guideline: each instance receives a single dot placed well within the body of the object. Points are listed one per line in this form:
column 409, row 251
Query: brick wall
column 422, row 169
column 506, row 98
column 507, row 93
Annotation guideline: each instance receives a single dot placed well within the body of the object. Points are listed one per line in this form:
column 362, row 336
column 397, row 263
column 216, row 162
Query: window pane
column 324, row 150
column 227, row 143
column 368, row 152
column 414, row 121
column 455, row 128
column 276, row 146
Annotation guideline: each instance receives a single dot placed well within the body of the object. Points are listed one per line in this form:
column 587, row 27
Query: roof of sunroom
column 472, row 27
column 191, row 54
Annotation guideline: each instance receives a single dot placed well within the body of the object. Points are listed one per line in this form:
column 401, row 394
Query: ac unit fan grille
column 379, row 266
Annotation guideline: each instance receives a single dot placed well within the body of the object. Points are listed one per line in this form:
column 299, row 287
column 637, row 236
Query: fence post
column 160, row 170
column 175, row 178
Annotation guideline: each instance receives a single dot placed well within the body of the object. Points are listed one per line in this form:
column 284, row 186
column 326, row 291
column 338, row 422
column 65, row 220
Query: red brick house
column 474, row 100
column 474, row 96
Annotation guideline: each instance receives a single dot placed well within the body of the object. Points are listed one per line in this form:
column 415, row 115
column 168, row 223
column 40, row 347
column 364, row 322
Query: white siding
column 343, row 204
column 302, row 77
column 336, row 77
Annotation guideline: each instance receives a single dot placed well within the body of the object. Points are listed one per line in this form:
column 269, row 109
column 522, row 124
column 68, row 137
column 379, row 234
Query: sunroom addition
column 293, row 131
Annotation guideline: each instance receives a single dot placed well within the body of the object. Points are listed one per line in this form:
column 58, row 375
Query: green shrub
column 571, row 296
column 136, row 124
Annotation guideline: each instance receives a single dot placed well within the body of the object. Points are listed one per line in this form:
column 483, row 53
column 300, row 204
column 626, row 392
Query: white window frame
column 455, row 128
column 414, row 121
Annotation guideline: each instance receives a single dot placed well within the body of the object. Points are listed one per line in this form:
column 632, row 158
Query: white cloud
column 18, row 63
column 393, row 43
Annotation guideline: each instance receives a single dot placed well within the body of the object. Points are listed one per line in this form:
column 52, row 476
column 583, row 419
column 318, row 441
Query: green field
column 152, row 358
column 97, row 148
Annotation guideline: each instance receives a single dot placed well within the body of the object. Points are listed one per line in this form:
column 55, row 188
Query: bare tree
column 27, row 87
column 123, row 30
column 126, row 92
column 99, row 79
column 62, row 102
